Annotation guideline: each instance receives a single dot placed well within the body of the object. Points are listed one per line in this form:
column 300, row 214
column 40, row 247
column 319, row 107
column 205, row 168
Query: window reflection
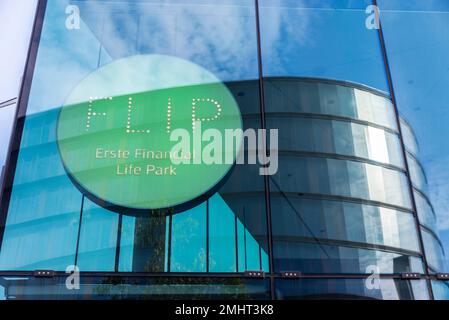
column 351, row 289
column 341, row 164
column 304, row 38
column 135, row 288
column 440, row 290
column 340, row 201
column 342, row 178
column 420, row 91
column 434, row 251
column 319, row 96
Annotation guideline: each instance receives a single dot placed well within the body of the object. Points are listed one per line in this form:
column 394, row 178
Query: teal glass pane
column 6, row 122
column 136, row 288
column 416, row 34
column 98, row 238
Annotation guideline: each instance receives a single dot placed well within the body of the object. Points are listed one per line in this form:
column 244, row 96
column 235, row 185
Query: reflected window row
column 6, row 122
column 417, row 174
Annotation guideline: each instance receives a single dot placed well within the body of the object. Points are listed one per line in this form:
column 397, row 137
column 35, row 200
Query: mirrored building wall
column 349, row 198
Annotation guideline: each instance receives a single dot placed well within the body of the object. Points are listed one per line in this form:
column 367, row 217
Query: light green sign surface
column 114, row 132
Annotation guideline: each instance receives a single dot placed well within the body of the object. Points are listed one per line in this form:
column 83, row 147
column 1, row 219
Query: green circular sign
column 149, row 132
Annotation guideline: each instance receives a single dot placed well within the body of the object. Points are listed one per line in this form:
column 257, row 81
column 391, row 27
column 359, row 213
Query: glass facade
column 7, row 110
column 352, row 195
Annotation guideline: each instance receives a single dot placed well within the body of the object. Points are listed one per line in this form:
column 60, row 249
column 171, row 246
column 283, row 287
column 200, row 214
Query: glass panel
column 388, row 289
column 341, row 178
column 44, row 207
column 304, row 38
column 417, row 174
column 136, row 288
column 314, row 220
column 98, row 239
column 303, row 134
column 45, row 204
column 440, row 290
column 335, row 236
column 189, row 241
column 434, row 251
column 315, row 257
column 425, row 212
column 298, row 95
column 416, row 34
column 300, row 53
column 329, row 236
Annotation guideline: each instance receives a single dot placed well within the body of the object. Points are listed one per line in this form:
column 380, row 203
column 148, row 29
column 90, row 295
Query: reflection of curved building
column 427, row 217
column 341, row 190
column 349, row 198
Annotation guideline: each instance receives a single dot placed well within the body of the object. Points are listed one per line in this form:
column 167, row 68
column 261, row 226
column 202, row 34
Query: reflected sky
column 324, row 39
column 417, row 39
column 224, row 44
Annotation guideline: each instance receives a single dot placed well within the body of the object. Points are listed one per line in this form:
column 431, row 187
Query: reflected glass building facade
column 351, row 197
